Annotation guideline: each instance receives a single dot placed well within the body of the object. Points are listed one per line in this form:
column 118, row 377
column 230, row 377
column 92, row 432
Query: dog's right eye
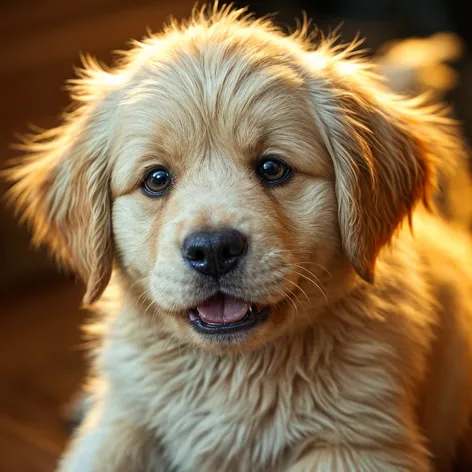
column 273, row 170
column 157, row 181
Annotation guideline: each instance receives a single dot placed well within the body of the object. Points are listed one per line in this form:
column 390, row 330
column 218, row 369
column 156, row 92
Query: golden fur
column 365, row 362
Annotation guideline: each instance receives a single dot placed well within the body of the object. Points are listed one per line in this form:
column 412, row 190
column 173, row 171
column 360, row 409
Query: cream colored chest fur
column 328, row 384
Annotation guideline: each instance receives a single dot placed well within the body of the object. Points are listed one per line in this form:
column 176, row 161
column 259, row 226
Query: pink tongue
column 223, row 310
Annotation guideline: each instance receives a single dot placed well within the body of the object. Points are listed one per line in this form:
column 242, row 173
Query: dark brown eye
column 157, row 181
column 273, row 170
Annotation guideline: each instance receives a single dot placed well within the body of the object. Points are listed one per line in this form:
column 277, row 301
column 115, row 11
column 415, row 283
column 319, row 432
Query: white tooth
column 192, row 316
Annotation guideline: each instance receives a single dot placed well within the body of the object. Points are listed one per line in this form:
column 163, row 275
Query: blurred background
column 419, row 44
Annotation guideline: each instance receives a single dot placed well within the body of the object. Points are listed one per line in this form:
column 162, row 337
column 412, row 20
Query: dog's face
column 222, row 194
column 233, row 177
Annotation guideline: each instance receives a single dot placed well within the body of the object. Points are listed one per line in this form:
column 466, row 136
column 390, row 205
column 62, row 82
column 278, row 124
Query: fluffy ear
column 386, row 152
column 61, row 188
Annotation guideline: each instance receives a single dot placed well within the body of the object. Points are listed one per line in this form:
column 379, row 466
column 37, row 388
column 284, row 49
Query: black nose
column 214, row 253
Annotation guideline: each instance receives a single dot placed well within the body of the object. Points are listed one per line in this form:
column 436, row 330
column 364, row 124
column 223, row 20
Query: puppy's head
column 236, row 177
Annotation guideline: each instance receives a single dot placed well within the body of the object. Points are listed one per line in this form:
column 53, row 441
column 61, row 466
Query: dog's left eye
column 157, row 181
column 273, row 170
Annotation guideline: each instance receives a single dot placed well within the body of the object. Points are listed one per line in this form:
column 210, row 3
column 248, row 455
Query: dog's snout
column 214, row 253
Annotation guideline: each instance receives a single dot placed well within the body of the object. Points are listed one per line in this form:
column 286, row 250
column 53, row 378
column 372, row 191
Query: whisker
column 322, row 268
column 310, row 272
column 294, row 251
column 299, row 288
column 292, row 294
column 147, row 277
column 149, row 306
column 305, row 313
column 293, row 302
column 277, row 252
column 320, row 288
column 141, row 299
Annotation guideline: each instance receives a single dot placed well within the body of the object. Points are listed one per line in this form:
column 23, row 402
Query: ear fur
column 61, row 187
column 386, row 152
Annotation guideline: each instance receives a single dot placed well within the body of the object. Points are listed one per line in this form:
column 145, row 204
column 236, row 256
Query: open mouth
column 225, row 315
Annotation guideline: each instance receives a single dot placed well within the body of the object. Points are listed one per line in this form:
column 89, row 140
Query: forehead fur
column 213, row 90
column 214, row 81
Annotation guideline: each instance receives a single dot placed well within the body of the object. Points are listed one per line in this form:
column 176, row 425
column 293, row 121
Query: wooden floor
column 41, row 366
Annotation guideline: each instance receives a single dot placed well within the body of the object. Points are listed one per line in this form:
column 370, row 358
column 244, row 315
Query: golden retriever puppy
column 270, row 311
